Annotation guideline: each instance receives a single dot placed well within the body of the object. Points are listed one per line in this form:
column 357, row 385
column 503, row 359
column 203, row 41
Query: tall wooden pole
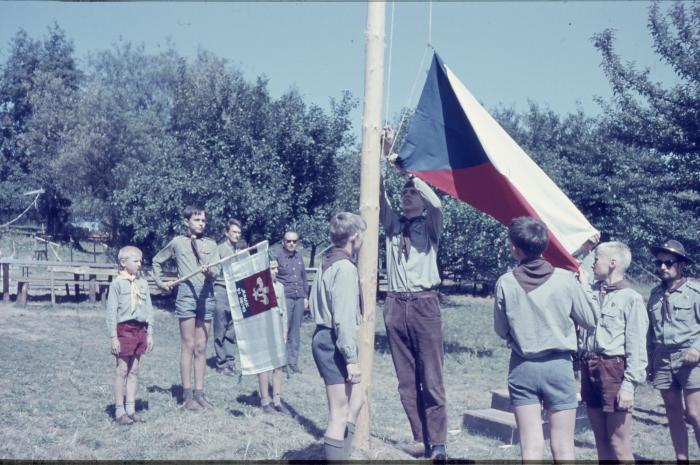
column 369, row 203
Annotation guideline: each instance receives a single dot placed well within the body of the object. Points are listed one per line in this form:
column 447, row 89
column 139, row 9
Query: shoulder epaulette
column 693, row 284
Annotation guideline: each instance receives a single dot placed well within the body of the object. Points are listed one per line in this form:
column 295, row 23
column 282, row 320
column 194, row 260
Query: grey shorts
column 195, row 301
column 329, row 361
column 548, row 380
column 669, row 371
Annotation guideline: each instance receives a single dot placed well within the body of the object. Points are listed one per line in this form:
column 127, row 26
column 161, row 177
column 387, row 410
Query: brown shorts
column 133, row 337
column 601, row 378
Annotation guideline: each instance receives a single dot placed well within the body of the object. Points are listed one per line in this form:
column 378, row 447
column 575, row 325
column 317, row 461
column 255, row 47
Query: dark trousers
column 295, row 313
column 414, row 329
column 224, row 334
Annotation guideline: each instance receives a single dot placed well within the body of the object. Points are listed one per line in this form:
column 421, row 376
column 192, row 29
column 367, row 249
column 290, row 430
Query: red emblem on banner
column 256, row 294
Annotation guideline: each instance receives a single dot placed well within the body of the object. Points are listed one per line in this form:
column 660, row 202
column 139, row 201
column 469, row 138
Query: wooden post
column 369, row 204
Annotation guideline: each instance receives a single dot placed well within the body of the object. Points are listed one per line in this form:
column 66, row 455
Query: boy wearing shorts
column 130, row 326
column 195, row 302
column 614, row 357
column 335, row 306
column 535, row 310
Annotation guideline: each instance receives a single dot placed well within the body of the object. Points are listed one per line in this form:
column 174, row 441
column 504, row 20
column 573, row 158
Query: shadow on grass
column 175, row 391
column 211, row 362
column 140, row 406
column 309, row 426
column 588, row 445
column 311, row 452
column 381, row 345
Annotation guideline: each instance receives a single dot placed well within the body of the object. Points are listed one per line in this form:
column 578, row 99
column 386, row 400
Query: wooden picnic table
column 89, row 269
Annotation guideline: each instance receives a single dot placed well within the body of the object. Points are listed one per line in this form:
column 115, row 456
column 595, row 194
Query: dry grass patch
column 56, row 388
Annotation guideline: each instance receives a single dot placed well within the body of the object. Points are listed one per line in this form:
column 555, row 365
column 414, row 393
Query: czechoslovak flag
column 455, row 145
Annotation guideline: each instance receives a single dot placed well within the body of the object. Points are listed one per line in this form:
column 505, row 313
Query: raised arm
column 585, row 310
column 387, row 216
column 433, row 209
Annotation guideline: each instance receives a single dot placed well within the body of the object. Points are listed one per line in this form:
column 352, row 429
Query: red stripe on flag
column 484, row 188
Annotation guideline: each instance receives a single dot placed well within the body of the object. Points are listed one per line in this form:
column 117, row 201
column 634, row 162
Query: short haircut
column 617, row 250
column 129, row 251
column 192, row 210
column 232, row 222
column 529, row 235
column 344, row 225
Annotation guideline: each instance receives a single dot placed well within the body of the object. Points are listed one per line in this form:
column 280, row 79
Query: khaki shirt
column 180, row 248
column 420, row 271
column 541, row 321
column 335, row 304
column 683, row 330
column 119, row 304
column 621, row 331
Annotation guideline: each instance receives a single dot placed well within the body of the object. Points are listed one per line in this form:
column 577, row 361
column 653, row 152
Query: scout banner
column 257, row 319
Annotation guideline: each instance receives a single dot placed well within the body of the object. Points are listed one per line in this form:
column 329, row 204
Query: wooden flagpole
column 218, row 262
column 369, row 204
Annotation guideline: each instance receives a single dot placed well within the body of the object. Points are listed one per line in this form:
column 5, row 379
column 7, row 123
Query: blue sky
column 506, row 53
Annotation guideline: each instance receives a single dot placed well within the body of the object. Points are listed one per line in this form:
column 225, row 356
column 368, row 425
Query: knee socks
column 347, row 444
column 130, row 408
column 334, row 448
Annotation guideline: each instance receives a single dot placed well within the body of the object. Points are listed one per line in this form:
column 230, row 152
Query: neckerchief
column 406, row 234
column 665, row 304
column 337, row 254
column 195, row 249
column 608, row 288
column 531, row 274
column 136, row 297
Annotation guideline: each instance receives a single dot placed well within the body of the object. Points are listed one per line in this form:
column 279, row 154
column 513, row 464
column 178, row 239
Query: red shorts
column 601, row 378
column 133, row 337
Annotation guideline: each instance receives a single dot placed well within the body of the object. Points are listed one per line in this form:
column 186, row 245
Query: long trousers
column 224, row 334
column 414, row 329
column 295, row 312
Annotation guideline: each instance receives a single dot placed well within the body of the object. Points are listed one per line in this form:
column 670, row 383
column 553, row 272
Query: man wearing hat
column 674, row 337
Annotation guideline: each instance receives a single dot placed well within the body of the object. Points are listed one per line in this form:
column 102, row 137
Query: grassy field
column 55, row 386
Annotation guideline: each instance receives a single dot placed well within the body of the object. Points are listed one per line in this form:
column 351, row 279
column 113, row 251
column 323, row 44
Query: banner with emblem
column 257, row 318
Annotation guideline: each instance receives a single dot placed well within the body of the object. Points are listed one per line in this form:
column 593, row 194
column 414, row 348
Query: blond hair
column 129, row 251
column 617, row 250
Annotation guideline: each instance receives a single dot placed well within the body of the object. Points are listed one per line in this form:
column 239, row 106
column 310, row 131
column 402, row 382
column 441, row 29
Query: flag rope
column 388, row 78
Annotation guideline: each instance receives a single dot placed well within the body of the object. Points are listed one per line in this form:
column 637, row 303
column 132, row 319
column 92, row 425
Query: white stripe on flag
column 560, row 215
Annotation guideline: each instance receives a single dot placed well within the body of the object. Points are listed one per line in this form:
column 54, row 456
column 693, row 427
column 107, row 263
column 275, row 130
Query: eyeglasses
column 668, row 263
column 291, row 241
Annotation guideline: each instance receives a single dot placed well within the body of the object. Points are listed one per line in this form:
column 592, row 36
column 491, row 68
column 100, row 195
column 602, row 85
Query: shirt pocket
column 612, row 319
column 684, row 312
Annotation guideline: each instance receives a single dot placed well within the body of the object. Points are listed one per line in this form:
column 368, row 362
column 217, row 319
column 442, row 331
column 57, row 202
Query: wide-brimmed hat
column 674, row 247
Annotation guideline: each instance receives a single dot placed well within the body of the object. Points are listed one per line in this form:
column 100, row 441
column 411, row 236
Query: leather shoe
column 137, row 418
column 415, row 449
column 295, row 369
column 203, row 402
column 228, row 370
column 268, row 409
column 282, row 409
column 124, row 420
column 192, row 405
column 438, row 453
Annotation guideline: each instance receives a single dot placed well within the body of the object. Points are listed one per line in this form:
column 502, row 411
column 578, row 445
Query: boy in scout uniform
column 674, row 315
column 195, row 302
column 614, row 360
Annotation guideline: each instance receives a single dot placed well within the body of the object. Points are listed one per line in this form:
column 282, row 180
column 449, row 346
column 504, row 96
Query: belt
column 592, row 355
column 412, row 295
